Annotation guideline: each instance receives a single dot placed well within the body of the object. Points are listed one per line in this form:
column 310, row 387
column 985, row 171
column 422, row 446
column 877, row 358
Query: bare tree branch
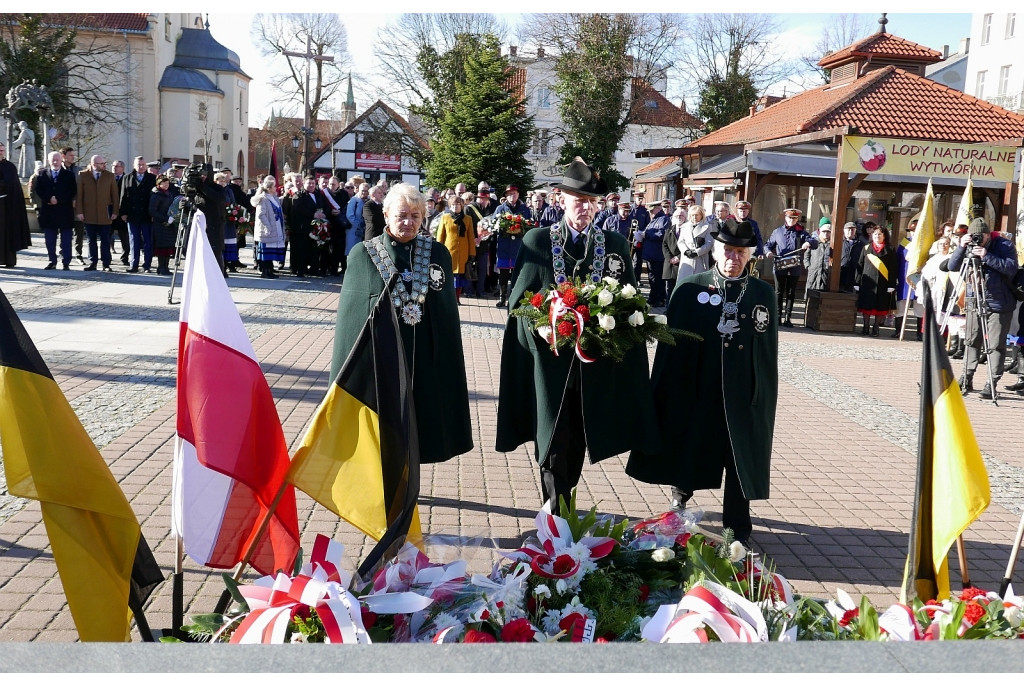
column 275, row 33
column 841, row 30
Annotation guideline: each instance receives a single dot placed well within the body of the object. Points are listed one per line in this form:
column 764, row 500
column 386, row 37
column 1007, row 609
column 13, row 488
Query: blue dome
column 197, row 49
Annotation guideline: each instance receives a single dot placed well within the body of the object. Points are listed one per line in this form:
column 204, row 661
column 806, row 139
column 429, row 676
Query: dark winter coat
column 65, row 188
column 373, row 219
column 654, row 236
column 850, row 262
column 164, row 234
column 135, row 197
column 433, row 348
column 785, row 241
column 999, row 267
column 14, row 232
column 508, row 245
column 876, row 273
column 715, row 398
column 616, row 396
column 816, row 260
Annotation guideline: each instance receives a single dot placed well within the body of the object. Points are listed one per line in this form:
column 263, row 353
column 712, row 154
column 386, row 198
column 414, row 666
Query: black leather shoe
column 1016, row 387
column 91, row 267
column 51, row 265
column 986, row 392
column 65, row 268
column 966, row 385
column 133, row 270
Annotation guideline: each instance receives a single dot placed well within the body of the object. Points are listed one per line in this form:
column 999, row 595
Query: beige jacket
column 97, row 198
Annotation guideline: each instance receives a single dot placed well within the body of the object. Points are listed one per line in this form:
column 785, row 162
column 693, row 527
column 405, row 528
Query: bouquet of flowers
column 320, row 232
column 606, row 319
column 513, row 224
column 239, row 216
column 583, row 577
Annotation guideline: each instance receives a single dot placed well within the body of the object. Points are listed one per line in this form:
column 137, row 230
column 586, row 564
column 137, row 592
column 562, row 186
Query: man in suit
column 119, row 226
column 373, row 213
column 300, row 211
column 135, row 192
column 337, row 203
column 97, row 204
column 57, row 188
column 69, row 164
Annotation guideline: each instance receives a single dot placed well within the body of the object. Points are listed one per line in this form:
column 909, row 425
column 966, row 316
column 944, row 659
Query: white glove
column 891, row 290
column 856, row 288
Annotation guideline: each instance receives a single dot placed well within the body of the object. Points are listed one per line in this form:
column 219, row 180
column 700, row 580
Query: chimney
column 752, row 110
column 682, row 105
column 512, row 50
column 965, row 45
column 945, row 52
column 540, row 52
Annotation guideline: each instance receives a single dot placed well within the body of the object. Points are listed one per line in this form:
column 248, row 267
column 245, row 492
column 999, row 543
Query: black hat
column 579, row 179
column 736, row 233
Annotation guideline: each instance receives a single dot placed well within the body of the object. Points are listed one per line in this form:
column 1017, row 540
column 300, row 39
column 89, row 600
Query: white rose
column 1013, row 616
column 628, row 290
column 544, row 332
column 636, row 319
column 604, row 298
column 542, row 591
column 660, row 318
column 737, row 551
column 588, row 289
column 605, row 321
column 663, row 554
column 610, row 281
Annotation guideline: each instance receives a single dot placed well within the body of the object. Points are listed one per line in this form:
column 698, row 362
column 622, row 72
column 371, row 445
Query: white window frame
column 986, row 29
column 1011, row 24
column 979, row 85
column 1004, row 80
column 543, row 97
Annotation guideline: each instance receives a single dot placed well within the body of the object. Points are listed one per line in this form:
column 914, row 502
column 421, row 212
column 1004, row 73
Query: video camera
column 191, row 179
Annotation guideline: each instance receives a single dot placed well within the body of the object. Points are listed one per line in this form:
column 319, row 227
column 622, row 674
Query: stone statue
column 26, row 142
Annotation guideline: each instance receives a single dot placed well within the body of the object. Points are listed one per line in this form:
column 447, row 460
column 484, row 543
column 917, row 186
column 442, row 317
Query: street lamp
column 295, row 147
column 318, row 143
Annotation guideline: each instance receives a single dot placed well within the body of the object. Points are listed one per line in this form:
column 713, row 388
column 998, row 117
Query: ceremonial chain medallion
column 408, row 300
column 728, row 323
column 558, row 255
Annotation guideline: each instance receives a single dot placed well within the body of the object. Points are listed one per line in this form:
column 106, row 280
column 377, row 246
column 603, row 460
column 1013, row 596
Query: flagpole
column 177, row 589
column 1014, row 551
column 961, row 552
column 225, row 598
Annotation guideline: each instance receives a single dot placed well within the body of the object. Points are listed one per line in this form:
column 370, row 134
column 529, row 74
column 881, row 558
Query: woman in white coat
column 694, row 244
column 268, row 228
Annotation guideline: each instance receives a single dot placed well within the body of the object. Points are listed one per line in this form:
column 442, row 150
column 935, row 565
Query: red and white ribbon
column 732, row 617
column 557, row 310
column 320, row 584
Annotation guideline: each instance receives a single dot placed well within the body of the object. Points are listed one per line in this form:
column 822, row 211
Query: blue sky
column 800, row 32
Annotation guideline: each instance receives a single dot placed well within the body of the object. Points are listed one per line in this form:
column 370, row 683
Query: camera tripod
column 188, row 210
column 975, row 300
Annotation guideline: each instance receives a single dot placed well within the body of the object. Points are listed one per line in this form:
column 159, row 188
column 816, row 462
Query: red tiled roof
column 654, row 166
column 884, row 45
column 101, row 21
column 663, row 113
column 515, row 84
column 887, row 102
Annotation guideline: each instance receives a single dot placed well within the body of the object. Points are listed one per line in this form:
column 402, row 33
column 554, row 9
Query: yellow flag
column 924, row 236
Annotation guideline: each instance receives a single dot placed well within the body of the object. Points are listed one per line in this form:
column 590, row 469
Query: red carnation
column 973, row 612
column 537, row 300
column 369, row 618
column 972, row 593
column 645, row 592
column 573, row 625
column 563, row 564
column 570, row 298
column 478, row 636
column 564, row 328
column 485, row 615
column 519, row 630
column 849, row 616
column 584, row 311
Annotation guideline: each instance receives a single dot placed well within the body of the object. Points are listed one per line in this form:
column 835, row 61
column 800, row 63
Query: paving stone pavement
column 843, row 455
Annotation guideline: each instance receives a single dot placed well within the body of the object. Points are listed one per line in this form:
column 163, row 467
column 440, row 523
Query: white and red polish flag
column 230, row 455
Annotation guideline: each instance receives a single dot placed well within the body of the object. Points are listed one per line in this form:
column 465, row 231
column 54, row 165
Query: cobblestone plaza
column 842, row 477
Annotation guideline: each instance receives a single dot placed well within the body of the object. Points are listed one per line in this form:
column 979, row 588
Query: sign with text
column 907, row 157
column 376, row 162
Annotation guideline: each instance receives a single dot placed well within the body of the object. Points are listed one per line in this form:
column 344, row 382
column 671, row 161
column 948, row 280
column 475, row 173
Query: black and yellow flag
column 360, row 456
column 103, row 560
column 952, row 483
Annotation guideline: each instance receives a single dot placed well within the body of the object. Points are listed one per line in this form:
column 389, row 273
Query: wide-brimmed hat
column 736, row 233
column 579, row 179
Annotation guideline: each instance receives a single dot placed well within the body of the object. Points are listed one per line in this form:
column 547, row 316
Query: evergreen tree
column 725, row 100
column 30, row 49
column 484, row 133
